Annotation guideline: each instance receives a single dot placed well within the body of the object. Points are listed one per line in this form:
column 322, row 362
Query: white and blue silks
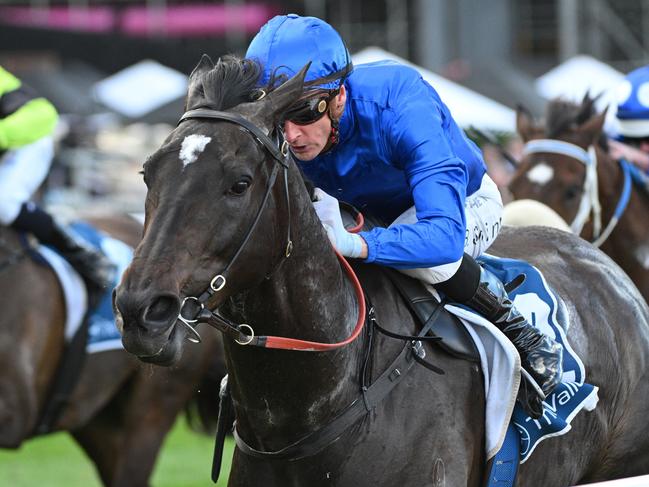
column 633, row 104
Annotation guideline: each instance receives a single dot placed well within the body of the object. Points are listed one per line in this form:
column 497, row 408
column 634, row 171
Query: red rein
column 307, row 346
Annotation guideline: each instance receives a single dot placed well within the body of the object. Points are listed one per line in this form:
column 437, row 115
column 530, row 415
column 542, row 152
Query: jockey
column 26, row 150
column 633, row 119
column 378, row 136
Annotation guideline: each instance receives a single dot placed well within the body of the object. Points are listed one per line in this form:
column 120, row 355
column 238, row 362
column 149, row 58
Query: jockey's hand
column 618, row 150
column 328, row 210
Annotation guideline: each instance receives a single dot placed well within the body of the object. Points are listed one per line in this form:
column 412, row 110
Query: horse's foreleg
column 125, row 437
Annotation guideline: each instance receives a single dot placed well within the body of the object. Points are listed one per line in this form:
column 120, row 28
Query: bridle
column 243, row 334
column 590, row 197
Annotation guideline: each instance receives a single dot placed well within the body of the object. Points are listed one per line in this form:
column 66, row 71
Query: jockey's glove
column 328, row 210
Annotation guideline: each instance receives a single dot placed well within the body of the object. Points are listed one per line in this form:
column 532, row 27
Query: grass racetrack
column 56, row 461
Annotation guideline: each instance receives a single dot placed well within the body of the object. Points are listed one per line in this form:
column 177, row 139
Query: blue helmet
column 633, row 104
column 286, row 43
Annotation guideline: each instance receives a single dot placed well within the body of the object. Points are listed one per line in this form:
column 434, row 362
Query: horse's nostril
column 162, row 309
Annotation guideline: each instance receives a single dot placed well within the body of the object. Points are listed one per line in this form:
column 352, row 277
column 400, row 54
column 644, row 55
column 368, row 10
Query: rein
column 590, row 198
column 243, row 334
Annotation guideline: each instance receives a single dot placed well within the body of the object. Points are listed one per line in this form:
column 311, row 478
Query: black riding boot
column 540, row 355
column 94, row 267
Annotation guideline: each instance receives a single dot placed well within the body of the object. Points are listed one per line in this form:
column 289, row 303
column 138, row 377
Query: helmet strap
column 334, row 135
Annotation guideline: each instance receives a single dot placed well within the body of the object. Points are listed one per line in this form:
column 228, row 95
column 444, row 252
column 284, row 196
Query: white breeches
column 22, row 171
column 483, row 212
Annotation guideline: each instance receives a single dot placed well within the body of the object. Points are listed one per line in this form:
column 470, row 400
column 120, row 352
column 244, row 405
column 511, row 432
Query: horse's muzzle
column 147, row 323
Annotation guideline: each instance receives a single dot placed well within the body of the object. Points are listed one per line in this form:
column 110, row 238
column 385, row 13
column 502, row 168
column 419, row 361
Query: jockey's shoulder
column 386, row 81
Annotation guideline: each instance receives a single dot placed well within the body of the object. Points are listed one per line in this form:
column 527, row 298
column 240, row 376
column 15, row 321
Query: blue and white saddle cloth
column 102, row 333
column 501, row 363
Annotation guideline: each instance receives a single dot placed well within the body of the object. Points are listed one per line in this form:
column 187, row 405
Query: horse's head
column 210, row 187
column 553, row 168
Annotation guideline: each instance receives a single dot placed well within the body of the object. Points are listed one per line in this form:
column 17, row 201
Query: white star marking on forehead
column 541, row 174
column 192, row 147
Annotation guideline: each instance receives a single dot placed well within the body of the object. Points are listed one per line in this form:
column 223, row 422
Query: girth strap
column 223, row 427
column 316, row 441
column 65, row 379
column 371, row 396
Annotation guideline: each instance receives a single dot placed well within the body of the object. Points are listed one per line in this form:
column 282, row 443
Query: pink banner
column 195, row 20
column 92, row 19
column 176, row 21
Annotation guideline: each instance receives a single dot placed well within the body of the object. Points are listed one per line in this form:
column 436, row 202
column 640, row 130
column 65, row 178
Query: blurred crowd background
column 116, row 69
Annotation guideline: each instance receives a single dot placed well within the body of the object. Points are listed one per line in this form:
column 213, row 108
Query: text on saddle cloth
column 545, row 310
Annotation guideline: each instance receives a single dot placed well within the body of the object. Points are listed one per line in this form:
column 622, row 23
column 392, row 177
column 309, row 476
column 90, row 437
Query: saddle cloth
column 501, row 362
column 102, row 333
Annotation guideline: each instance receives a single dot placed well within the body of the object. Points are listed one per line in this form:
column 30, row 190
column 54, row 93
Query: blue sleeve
column 418, row 143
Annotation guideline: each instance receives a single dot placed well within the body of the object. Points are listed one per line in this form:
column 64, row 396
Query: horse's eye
column 572, row 192
column 240, row 186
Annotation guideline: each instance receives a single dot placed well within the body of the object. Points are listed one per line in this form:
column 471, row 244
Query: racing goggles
column 311, row 109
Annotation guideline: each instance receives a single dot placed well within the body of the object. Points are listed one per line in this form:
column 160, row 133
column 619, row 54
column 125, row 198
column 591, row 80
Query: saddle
column 455, row 339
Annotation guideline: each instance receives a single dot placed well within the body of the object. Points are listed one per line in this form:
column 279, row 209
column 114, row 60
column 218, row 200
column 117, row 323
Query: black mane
column 230, row 82
column 562, row 116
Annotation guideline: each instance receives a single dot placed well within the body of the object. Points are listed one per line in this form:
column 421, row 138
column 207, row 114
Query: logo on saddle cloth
column 539, row 304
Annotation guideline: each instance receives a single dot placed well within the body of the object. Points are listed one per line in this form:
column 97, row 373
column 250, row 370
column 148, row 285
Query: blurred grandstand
column 70, row 50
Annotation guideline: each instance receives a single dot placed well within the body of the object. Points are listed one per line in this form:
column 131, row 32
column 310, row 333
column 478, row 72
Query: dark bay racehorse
column 219, row 217
column 121, row 409
column 568, row 168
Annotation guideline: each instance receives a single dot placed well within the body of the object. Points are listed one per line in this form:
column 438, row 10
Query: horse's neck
column 609, row 179
column 309, row 297
column 610, row 187
column 629, row 237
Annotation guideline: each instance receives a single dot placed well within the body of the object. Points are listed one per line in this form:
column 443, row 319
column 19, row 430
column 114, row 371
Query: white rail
column 629, row 482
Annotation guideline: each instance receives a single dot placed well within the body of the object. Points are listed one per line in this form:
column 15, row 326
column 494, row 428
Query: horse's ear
column 205, row 64
column 525, row 123
column 283, row 97
column 193, row 91
column 592, row 128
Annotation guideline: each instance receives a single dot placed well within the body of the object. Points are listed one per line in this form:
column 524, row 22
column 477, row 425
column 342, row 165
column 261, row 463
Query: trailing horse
column 568, row 168
column 230, row 226
column 120, row 410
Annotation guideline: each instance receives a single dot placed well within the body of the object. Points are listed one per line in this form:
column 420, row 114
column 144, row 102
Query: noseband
column 590, row 197
column 279, row 149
